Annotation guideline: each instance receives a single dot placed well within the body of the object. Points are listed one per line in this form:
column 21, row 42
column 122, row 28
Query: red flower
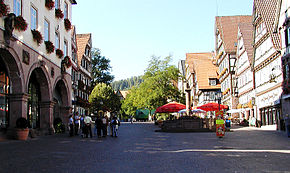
column 59, row 53
column 67, row 24
column 58, row 13
column 37, row 36
column 49, row 4
column 49, row 46
column 4, row 10
column 20, row 23
column 67, row 61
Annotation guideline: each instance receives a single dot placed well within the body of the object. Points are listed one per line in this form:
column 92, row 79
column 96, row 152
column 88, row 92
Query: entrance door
column 4, row 99
column 33, row 103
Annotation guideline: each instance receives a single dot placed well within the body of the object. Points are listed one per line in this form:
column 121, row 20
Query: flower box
column 58, row 13
column 49, row 46
column 20, row 23
column 49, row 4
column 37, row 36
column 59, row 53
column 4, row 10
column 67, row 24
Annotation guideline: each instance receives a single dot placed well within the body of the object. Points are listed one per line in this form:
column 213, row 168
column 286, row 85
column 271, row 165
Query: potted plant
column 49, row 4
column 22, row 130
column 58, row 13
column 3, row 9
column 59, row 53
column 20, row 23
column 49, row 46
column 67, row 24
column 37, row 36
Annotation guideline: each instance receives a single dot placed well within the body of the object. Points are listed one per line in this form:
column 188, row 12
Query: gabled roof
column 268, row 9
column 124, row 93
column 246, row 30
column 228, row 28
column 82, row 42
column 202, row 65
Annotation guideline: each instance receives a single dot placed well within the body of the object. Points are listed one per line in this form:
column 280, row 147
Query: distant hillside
column 126, row 84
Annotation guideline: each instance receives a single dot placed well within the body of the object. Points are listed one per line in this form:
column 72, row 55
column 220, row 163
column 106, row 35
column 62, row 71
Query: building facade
column 84, row 46
column 202, row 78
column 267, row 61
column 244, row 73
column 35, row 80
column 226, row 30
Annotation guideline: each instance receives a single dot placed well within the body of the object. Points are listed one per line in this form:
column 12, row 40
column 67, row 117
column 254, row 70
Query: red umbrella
column 170, row 107
column 212, row 107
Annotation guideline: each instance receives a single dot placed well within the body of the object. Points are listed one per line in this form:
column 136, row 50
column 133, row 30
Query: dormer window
column 212, row 82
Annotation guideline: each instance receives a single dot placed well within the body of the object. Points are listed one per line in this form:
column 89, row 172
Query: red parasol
column 212, row 107
column 170, row 107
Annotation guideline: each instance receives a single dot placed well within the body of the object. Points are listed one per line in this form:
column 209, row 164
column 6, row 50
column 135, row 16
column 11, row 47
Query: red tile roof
column 228, row 28
column 246, row 30
column 82, row 41
column 268, row 9
column 202, row 65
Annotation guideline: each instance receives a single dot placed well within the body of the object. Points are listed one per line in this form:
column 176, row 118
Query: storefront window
column 33, row 103
column 4, row 99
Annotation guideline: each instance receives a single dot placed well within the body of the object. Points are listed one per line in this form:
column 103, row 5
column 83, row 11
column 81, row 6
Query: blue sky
column 129, row 32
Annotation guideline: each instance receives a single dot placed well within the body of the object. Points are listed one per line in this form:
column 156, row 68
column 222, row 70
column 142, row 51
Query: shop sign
column 220, row 124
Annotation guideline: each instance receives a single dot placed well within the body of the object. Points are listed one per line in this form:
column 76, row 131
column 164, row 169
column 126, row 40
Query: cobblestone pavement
column 139, row 149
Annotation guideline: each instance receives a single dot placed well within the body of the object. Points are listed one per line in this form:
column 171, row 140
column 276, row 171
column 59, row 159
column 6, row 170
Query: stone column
column 46, row 116
column 18, row 107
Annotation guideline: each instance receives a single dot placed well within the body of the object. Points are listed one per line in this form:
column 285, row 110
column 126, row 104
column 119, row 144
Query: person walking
column 77, row 123
column 88, row 121
column 71, row 125
column 104, row 126
column 115, row 123
column 82, row 125
column 98, row 124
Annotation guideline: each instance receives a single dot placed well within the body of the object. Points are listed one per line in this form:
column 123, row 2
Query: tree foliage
column 157, row 89
column 128, row 83
column 101, row 69
column 104, row 98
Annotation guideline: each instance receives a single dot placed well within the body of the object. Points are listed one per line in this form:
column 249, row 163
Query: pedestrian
column 104, row 125
column 77, row 123
column 115, row 126
column 98, row 124
column 88, row 121
column 131, row 119
column 71, row 125
column 82, row 125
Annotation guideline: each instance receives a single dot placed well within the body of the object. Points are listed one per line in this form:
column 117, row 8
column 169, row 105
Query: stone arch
column 38, row 87
column 62, row 100
column 17, row 97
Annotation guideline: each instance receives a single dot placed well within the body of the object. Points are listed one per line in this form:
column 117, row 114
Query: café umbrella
column 212, row 107
column 170, row 108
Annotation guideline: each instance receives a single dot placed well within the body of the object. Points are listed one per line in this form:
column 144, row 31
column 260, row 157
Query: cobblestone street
column 139, row 149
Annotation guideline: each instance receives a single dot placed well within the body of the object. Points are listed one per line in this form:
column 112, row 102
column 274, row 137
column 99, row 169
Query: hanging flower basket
column 20, row 23
column 37, row 36
column 4, row 10
column 58, row 13
column 67, row 24
column 59, row 53
column 67, row 61
column 49, row 46
column 49, row 4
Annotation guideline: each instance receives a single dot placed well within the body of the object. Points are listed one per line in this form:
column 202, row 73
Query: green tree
column 101, row 69
column 157, row 89
column 103, row 97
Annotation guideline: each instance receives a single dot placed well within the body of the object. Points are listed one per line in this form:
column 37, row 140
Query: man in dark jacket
column 98, row 125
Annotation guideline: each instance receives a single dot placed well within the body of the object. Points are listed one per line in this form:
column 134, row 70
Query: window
column 46, row 30
column 288, row 37
column 33, row 18
column 56, row 40
column 56, row 4
column 212, row 82
column 65, row 48
column 17, row 7
column 65, row 11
